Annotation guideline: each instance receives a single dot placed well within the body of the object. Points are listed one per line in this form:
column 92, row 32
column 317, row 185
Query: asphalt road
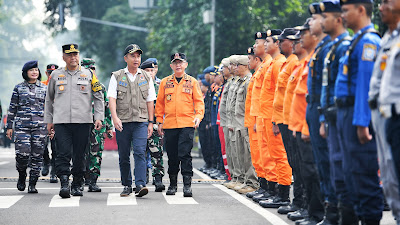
column 211, row 204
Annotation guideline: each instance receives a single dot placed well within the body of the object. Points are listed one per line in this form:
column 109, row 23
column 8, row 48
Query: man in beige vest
column 131, row 94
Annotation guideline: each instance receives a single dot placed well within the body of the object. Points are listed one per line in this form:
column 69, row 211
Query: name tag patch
column 169, row 85
column 142, row 83
column 124, row 84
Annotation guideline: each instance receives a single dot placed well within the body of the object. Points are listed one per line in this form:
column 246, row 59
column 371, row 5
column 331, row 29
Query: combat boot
column 32, row 184
column 93, row 183
column 158, row 183
column 65, row 189
column 45, row 170
column 173, row 185
column 187, row 183
column 21, row 181
column 347, row 215
column 53, row 177
column 76, row 185
column 259, row 191
column 282, row 199
column 269, row 194
column 331, row 215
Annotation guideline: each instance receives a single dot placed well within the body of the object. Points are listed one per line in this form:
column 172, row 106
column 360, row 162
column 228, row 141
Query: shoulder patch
column 369, row 52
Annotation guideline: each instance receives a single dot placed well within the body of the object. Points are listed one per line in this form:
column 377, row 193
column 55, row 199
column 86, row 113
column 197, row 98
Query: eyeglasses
column 177, row 62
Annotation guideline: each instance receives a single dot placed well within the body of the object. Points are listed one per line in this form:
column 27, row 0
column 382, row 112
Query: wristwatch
column 151, row 121
column 273, row 123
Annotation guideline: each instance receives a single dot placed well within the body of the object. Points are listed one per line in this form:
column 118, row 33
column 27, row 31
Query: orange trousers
column 255, row 152
column 278, row 154
column 266, row 162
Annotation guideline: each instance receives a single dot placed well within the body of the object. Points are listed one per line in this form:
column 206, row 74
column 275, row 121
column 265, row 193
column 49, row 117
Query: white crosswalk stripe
column 8, row 201
column 57, row 201
column 178, row 199
column 115, row 199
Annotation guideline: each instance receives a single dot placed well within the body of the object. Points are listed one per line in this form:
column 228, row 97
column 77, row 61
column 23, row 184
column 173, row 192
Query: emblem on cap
column 258, row 34
column 53, row 67
column 312, row 9
column 322, row 6
column 177, row 56
column 249, row 50
column 72, row 48
column 269, row 32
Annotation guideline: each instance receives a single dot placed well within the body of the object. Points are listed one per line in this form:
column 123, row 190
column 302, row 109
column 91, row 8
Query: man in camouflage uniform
column 155, row 142
column 96, row 144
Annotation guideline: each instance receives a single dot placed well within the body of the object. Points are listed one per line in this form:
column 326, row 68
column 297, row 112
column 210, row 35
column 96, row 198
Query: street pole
column 212, row 51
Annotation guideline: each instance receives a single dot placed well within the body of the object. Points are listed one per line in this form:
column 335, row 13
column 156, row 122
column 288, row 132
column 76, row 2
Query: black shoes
column 93, row 184
column 53, row 177
column 187, row 189
column 45, row 170
column 65, row 189
column 282, row 199
column 158, row 183
column 21, row 185
column 254, row 193
column 141, row 191
column 298, row 215
column 173, row 185
column 126, row 192
column 32, row 184
column 77, row 186
column 287, row 209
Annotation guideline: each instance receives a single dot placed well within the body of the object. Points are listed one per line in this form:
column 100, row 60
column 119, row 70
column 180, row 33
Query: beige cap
column 233, row 59
column 243, row 59
column 225, row 62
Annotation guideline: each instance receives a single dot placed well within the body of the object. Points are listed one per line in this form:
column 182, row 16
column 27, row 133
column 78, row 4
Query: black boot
column 173, row 185
column 93, row 183
column 282, row 199
column 53, row 177
column 331, row 216
column 32, row 184
column 65, row 189
column 288, row 208
column 370, row 222
column 269, row 194
column 21, row 181
column 77, row 183
column 261, row 190
column 187, row 183
column 158, row 183
column 45, row 170
column 347, row 215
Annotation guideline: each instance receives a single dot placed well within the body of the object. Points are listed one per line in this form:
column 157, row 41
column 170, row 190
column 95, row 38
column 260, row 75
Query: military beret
column 209, row 69
column 330, row 6
column 70, row 48
column 132, row 48
column 286, row 32
column 314, row 8
column 153, row 60
column 243, row 60
column 51, row 67
column 29, row 65
column 178, row 56
column 260, row 35
column 305, row 26
column 225, row 61
column 274, row 33
column 147, row 64
column 344, row 2
column 200, row 76
column 205, row 83
column 250, row 51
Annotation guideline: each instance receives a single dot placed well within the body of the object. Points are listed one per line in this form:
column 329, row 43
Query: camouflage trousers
column 96, row 148
column 155, row 148
column 29, row 148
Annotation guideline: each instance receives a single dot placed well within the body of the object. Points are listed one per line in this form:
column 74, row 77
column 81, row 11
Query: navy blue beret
column 153, row 60
column 314, row 8
column 330, row 6
column 200, row 76
column 209, row 69
column 147, row 64
column 205, row 83
column 29, row 65
column 344, row 2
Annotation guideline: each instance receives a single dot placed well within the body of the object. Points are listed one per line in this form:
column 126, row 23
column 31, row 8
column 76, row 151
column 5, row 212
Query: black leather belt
column 313, row 98
column 373, row 103
column 344, row 102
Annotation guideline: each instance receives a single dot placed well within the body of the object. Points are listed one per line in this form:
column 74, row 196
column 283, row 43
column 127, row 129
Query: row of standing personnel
column 312, row 110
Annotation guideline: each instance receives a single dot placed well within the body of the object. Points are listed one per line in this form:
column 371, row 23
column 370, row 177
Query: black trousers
column 46, row 155
column 178, row 144
column 72, row 140
column 310, row 177
column 205, row 144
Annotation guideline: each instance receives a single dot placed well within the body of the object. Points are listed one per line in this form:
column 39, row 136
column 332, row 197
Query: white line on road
column 178, row 199
column 4, row 163
column 116, row 199
column 8, row 201
column 272, row 218
column 57, row 201
column 202, row 175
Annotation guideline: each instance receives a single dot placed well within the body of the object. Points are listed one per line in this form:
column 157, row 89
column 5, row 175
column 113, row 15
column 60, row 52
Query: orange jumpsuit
column 275, row 147
column 298, row 121
column 267, row 164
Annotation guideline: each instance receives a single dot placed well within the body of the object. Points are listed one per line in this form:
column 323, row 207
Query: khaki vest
column 131, row 97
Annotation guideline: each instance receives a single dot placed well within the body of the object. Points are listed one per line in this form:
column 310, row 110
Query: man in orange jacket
column 276, row 149
column 179, row 110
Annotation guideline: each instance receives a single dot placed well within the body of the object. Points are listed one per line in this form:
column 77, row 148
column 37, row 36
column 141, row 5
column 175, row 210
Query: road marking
column 57, row 201
column 4, row 163
column 116, row 199
column 8, row 201
column 202, row 175
column 178, row 199
column 272, row 218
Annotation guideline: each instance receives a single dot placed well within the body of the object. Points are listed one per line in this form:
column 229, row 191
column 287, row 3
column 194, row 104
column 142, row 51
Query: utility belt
column 390, row 110
column 344, row 102
column 329, row 112
column 313, row 98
